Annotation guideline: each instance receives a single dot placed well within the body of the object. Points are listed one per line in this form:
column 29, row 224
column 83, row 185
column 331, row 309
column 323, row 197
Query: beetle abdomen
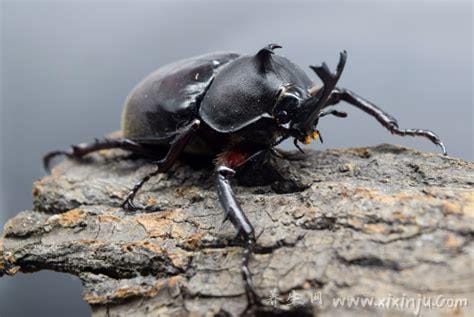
column 169, row 97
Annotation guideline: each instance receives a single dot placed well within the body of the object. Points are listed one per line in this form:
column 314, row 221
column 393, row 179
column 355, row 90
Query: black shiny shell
column 168, row 98
column 246, row 89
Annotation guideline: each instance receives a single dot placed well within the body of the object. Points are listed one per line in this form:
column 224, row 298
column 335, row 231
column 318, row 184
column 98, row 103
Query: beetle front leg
column 336, row 113
column 384, row 118
column 176, row 148
column 234, row 213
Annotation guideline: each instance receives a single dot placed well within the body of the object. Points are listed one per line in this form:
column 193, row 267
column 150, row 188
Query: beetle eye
column 286, row 105
column 282, row 117
column 288, row 102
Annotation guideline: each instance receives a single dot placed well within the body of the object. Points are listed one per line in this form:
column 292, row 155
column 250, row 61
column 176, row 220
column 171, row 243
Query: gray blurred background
column 67, row 67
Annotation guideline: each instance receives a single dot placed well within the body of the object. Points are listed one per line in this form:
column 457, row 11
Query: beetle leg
column 295, row 142
column 176, row 148
column 336, row 113
column 384, row 118
column 128, row 203
column 80, row 150
column 234, row 213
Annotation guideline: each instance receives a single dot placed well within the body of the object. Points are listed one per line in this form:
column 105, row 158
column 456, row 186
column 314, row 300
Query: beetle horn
column 313, row 90
column 263, row 57
column 319, row 96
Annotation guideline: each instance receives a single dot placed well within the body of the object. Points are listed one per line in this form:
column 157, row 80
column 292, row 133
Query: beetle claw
column 252, row 297
column 254, row 301
column 226, row 218
column 443, row 148
column 48, row 158
column 129, row 205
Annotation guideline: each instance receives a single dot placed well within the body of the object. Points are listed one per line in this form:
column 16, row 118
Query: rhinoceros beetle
column 232, row 107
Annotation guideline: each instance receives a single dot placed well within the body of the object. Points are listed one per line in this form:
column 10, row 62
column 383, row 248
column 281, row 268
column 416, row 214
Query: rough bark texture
column 380, row 222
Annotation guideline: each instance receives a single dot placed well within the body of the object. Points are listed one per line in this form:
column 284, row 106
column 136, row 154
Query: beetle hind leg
column 128, row 203
column 176, row 148
column 80, row 150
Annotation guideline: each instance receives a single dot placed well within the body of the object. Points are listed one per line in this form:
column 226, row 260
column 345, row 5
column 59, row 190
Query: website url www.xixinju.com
column 415, row 304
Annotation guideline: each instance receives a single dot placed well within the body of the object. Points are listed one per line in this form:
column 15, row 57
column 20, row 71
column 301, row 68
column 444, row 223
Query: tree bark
column 384, row 223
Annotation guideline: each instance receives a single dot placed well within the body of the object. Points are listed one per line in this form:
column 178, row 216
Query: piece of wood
column 382, row 222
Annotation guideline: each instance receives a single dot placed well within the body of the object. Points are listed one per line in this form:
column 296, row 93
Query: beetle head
column 304, row 118
column 289, row 106
column 288, row 102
